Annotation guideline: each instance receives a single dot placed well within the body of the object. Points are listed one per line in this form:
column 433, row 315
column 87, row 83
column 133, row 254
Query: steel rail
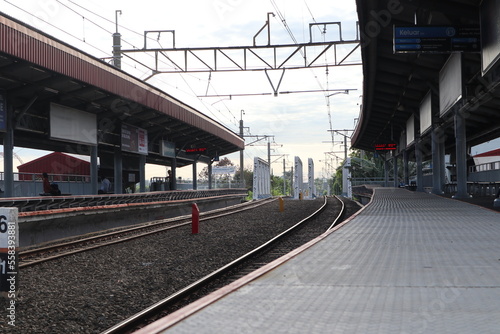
column 341, row 214
column 118, row 235
column 132, row 321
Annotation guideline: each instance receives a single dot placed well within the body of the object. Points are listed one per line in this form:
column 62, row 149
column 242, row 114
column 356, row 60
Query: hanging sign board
column 386, row 147
column 72, row 125
column 167, row 149
column 196, row 150
column 437, row 39
column 134, row 139
column 223, row 170
column 490, row 29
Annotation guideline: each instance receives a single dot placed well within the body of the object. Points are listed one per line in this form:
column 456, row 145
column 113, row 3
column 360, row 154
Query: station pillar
column 94, row 179
column 173, row 182
column 442, row 158
column 8, row 147
column 406, row 164
column 142, row 173
column 436, row 162
column 195, row 177
column 396, row 178
column 461, row 154
column 386, row 171
column 118, row 175
column 210, row 175
column 418, row 157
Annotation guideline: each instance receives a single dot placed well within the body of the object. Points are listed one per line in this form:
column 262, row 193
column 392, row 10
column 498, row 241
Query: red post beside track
column 195, row 221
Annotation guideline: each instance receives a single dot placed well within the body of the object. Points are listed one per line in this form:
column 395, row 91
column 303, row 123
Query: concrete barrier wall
column 486, row 176
column 40, row 227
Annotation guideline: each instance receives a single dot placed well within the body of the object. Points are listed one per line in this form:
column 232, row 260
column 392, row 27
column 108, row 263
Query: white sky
column 298, row 122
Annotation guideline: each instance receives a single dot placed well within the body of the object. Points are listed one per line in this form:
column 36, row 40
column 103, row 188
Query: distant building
column 487, row 157
column 54, row 163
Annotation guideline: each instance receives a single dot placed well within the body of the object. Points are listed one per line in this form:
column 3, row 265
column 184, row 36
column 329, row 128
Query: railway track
column 43, row 254
column 265, row 253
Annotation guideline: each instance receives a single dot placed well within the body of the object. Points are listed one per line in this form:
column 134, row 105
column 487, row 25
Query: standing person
column 169, row 179
column 47, row 189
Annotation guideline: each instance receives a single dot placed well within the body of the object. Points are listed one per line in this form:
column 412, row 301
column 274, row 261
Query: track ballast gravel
column 92, row 291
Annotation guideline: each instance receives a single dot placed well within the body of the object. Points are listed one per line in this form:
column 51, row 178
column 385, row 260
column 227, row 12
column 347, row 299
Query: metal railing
column 42, row 203
column 371, row 181
column 489, row 166
column 31, row 184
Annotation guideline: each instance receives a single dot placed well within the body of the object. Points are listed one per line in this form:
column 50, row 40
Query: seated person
column 49, row 189
column 54, row 189
column 105, row 186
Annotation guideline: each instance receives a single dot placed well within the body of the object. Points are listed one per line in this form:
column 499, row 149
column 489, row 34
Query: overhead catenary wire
column 283, row 20
column 52, row 25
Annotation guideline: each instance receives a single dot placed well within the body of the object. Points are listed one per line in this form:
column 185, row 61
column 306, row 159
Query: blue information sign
column 437, row 39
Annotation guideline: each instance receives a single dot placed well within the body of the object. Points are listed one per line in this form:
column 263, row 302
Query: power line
column 53, row 26
column 106, row 19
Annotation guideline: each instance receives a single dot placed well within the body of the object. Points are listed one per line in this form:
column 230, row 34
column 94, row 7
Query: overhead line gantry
column 251, row 58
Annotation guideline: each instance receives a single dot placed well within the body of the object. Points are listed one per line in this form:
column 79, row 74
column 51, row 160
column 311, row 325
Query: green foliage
column 276, row 185
column 336, row 182
column 366, row 165
column 249, row 196
column 248, row 176
column 321, row 187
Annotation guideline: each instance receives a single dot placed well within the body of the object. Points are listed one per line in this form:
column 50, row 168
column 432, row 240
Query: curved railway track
column 42, row 254
column 253, row 259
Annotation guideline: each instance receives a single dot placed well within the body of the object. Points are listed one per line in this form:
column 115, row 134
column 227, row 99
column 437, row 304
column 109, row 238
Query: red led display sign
column 386, row 147
column 196, row 150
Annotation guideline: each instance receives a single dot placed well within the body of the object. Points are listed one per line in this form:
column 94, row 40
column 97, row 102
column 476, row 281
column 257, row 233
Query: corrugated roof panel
column 39, row 49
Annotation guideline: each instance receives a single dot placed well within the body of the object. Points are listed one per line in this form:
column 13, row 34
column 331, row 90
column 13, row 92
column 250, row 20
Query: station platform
column 408, row 262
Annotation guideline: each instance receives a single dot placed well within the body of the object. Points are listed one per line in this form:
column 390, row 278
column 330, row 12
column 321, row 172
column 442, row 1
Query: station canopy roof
column 37, row 70
column 396, row 84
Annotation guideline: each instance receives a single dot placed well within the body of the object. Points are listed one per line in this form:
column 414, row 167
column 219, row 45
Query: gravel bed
column 92, row 291
column 305, row 233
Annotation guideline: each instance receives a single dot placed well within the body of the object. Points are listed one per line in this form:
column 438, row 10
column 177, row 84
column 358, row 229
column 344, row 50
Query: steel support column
column 142, row 173
column 442, row 158
column 195, row 177
column 418, row 157
column 436, row 162
column 396, row 178
column 386, row 171
column 8, row 152
column 461, row 154
column 406, row 165
column 118, row 173
column 173, row 182
column 94, row 179
column 210, row 175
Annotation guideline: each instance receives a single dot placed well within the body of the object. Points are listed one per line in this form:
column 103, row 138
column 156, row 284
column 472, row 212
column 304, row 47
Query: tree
column 321, row 187
column 366, row 165
column 276, row 185
column 203, row 175
column 336, row 182
column 247, row 175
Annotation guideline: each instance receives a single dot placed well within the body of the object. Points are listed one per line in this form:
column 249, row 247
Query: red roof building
column 494, row 153
column 487, row 158
column 54, row 163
